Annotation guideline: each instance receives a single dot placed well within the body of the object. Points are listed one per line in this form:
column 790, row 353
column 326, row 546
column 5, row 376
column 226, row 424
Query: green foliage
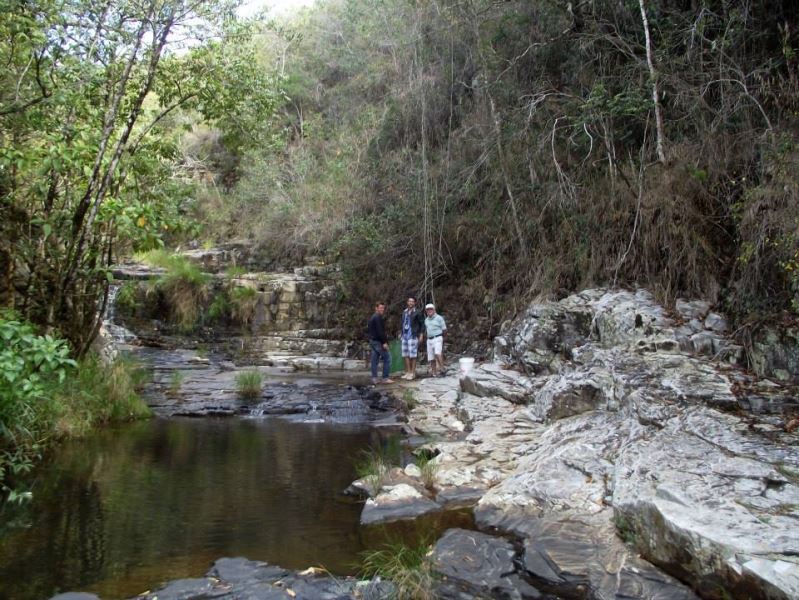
column 219, row 309
column 99, row 393
column 235, row 271
column 236, row 304
column 477, row 149
column 31, row 366
column 126, row 299
column 428, row 467
column 44, row 395
column 184, row 286
column 243, row 301
column 409, row 399
column 373, row 469
column 90, row 137
column 625, row 529
column 15, row 464
column 249, row 384
column 407, row 567
column 373, row 465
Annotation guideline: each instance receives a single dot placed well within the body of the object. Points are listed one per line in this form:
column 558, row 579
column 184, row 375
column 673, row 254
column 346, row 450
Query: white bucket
column 466, row 363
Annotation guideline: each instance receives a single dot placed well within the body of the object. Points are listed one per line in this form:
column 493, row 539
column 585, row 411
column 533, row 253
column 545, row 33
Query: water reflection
column 126, row 508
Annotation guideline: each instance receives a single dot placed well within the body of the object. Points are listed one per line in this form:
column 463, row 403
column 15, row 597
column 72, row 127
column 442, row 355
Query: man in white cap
column 435, row 330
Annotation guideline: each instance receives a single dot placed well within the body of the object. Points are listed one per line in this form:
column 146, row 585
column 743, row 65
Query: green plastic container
column 395, row 350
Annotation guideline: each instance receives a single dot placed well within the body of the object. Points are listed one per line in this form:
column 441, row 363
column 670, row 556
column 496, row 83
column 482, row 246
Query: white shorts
column 435, row 346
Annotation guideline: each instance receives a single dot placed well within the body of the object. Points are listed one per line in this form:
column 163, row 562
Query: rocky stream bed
column 611, row 449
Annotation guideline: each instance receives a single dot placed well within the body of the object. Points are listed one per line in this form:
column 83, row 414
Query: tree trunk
column 653, row 75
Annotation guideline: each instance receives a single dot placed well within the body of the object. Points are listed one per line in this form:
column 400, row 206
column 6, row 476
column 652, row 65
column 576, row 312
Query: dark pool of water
column 127, row 508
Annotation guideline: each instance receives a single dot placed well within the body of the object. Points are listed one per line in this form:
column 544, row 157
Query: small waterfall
column 349, row 411
column 118, row 333
column 313, row 415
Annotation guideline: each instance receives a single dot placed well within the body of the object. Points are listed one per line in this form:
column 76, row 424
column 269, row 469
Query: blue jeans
column 377, row 353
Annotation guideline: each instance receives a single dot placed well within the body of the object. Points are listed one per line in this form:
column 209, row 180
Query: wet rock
column 186, row 387
column 104, row 347
column 136, row 272
column 479, row 564
column 623, row 317
column 702, row 342
column 714, row 501
column 412, row 470
column 567, row 468
column 543, row 337
column 75, row 596
column 717, row 323
column 396, row 503
column 242, row 570
column 457, row 497
column 572, row 394
column 189, row 589
column 582, row 556
column 236, row 578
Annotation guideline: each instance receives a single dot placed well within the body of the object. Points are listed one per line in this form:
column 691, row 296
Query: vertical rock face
column 297, row 301
column 775, row 353
column 629, row 419
column 546, row 337
column 295, row 311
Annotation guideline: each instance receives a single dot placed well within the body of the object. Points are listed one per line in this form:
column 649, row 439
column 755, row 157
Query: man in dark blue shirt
column 379, row 343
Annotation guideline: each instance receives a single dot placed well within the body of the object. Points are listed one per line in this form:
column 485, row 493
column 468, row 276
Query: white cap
column 430, row 306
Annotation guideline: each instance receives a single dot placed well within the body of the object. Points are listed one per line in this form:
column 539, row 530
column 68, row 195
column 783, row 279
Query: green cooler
column 395, row 350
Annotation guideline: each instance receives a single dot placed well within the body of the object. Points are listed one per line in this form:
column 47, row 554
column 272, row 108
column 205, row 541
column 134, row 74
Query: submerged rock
column 235, row 578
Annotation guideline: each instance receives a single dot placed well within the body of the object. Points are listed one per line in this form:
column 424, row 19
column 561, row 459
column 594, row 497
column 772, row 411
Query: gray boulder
column 479, row 564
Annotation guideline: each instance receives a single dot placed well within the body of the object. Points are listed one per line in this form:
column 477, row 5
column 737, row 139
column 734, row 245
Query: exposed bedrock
column 619, row 441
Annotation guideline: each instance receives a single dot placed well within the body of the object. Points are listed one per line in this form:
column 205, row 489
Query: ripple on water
column 126, row 508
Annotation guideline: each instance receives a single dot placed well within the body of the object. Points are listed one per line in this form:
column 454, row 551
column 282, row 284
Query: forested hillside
column 477, row 153
column 485, row 152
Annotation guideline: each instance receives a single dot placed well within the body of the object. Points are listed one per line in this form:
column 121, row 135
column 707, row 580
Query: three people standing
column 414, row 326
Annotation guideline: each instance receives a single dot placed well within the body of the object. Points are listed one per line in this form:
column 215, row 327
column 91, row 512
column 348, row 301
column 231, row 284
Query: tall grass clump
column 409, row 400
column 183, row 285
column 99, row 393
column 428, row 468
column 235, row 271
column 248, row 384
column 405, row 566
column 175, row 382
column 373, row 465
column 372, row 468
column 243, row 302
